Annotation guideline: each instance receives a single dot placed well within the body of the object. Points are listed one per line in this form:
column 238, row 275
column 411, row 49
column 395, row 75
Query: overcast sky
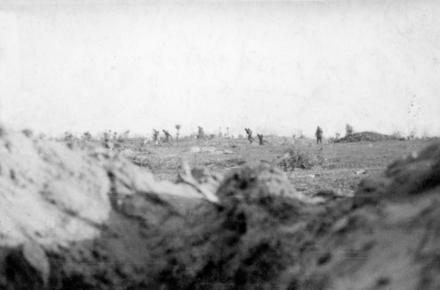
column 276, row 67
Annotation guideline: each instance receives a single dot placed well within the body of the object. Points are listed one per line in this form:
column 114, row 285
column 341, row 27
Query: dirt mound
column 238, row 244
column 414, row 174
column 256, row 239
column 92, row 220
column 366, row 137
column 53, row 197
column 44, row 186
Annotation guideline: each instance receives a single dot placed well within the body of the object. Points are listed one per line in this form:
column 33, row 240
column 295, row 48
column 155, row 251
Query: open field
column 343, row 166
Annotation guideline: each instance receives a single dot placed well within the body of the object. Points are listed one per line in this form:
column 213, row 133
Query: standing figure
column 107, row 142
column 200, row 133
column 249, row 135
column 155, row 136
column 260, row 139
column 177, row 131
column 318, row 135
column 167, row 136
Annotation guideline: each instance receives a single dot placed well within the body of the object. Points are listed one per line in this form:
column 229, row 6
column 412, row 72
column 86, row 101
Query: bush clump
column 294, row 158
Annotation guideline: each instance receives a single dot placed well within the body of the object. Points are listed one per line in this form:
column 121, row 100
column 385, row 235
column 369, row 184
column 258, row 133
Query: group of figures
column 251, row 139
column 201, row 135
column 318, row 134
column 167, row 136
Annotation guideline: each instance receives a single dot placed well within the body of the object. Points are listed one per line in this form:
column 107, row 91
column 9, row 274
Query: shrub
column 397, row 134
column 87, row 136
column 294, row 158
column 28, row 132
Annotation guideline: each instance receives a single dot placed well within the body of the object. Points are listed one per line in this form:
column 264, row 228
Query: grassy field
column 342, row 164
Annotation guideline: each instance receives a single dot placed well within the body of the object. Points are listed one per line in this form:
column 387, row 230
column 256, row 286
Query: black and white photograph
column 219, row 144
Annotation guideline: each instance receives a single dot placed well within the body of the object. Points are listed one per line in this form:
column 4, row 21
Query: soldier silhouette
column 318, row 135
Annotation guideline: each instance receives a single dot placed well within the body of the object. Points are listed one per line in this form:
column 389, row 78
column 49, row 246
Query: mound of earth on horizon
column 73, row 219
column 367, row 136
